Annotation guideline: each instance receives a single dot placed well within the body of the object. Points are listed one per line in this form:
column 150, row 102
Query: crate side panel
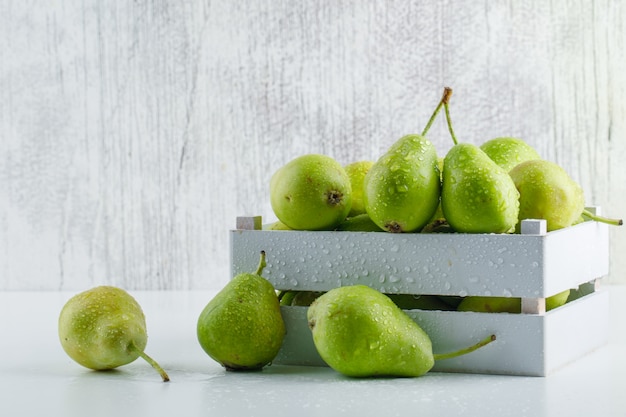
column 517, row 350
column 577, row 330
column 444, row 264
column 298, row 347
column 575, row 255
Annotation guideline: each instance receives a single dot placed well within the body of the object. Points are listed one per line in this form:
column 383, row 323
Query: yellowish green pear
column 548, row 192
column 356, row 172
column 359, row 223
column 311, row 192
column 507, row 304
column 419, row 302
column 508, row 152
column 104, row 328
column 277, row 225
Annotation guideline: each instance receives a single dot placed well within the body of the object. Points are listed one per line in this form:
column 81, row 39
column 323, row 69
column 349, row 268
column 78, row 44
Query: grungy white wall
column 133, row 133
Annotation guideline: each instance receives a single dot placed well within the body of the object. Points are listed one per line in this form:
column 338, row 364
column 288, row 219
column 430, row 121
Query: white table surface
column 38, row 379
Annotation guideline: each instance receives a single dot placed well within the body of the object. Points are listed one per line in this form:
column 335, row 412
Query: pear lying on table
column 360, row 332
column 104, row 328
column 242, row 327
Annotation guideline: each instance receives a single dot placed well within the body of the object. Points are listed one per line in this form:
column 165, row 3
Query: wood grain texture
column 133, row 133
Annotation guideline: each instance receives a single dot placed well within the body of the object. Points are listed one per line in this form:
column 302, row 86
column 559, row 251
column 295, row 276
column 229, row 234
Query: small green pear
column 557, row 300
column 359, row 223
column 277, row 225
column 419, row 302
column 491, row 304
column 311, row 192
column 298, row 298
column 548, row 192
column 477, row 195
column 360, row 332
column 242, row 327
column 356, row 172
column 104, row 328
column 402, row 188
column 286, row 297
column 305, row 298
column 508, row 152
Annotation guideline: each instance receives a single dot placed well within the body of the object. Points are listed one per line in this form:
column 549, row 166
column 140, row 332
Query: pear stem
column 151, row 361
column 262, row 264
column 446, row 108
column 486, row 341
column 446, row 96
column 601, row 219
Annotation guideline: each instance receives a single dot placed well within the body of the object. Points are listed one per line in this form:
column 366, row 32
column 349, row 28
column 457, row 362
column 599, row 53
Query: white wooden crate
column 533, row 265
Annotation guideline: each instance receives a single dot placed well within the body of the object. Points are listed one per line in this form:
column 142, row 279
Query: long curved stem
column 486, row 341
column 151, row 361
column 446, row 107
column 447, row 92
column 601, row 219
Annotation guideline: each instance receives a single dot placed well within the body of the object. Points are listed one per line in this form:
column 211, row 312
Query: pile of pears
column 489, row 188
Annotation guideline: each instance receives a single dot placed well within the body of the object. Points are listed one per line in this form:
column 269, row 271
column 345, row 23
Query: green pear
column 298, row 298
column 305, row 298
column 360, row 332
column 437, row 222
column 477, row 195
column 242, row 327
column 508, row 152
column 277, row 225
column 356, row 172
column 548, row 192
column 557, row 300
column 507, row 304
column 103, row 328
column 311, row 192
column 359, row 223
column 402, row 188
column 491, row 304
column 419, row 302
